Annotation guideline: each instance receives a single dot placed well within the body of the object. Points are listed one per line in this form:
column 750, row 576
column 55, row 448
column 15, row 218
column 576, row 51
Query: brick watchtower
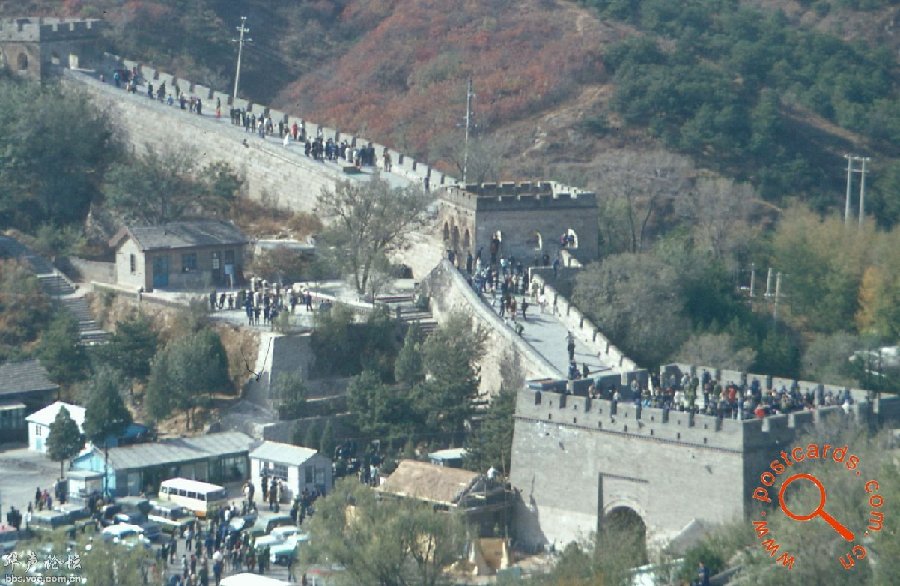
column 39, row 47
column 524, row 220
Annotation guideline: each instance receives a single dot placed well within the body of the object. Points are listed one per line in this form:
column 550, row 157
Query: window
column 276, row 470
column 309, row 474
column 132, row 261
column 216, row 260
column 229, row 257
column 37, row 430
column 189, row 262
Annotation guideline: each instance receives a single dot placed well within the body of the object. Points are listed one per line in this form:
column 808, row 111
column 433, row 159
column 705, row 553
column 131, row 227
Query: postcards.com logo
column 790, row 465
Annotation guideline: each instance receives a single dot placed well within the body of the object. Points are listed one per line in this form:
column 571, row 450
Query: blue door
column 160, row 272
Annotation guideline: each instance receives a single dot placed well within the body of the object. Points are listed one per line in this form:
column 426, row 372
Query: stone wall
column 83, row 270
column 271, row 176
column 449, row 293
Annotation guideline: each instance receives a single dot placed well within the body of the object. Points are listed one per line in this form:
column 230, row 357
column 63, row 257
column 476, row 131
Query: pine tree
column 326, row 442
column 311, row 437
column 61, row 352
column 105, row 412
column 408, row 369
column 65, row 439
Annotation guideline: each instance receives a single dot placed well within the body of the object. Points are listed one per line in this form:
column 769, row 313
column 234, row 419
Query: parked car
column 268, row 521
column 282, row 553
column 172, row 519
column 51, row 522
column 125, row 534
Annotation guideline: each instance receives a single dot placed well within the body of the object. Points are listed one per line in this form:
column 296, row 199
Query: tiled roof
column 429, row 482
column 172, row 451
column 24, row 376
column 186, row 234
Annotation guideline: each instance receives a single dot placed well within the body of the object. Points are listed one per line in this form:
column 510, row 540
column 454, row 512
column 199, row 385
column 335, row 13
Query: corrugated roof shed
column 186, row 234
column 47, row 415
column 429, row 482
column 24, row 376
column 283, row 453
column 176, row 450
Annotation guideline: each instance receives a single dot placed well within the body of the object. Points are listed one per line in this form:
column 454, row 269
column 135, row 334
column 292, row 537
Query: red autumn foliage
column 404, row 81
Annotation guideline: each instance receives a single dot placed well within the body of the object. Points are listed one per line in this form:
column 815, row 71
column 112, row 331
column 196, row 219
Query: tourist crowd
column 708, row 396
column 262, row 300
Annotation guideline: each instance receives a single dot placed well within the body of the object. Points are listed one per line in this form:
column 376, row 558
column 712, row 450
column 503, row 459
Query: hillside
column 598, row 92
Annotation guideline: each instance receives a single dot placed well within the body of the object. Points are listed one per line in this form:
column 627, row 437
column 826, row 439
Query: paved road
column 22, row 472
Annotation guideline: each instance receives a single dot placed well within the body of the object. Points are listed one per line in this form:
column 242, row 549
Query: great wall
column 575, row 459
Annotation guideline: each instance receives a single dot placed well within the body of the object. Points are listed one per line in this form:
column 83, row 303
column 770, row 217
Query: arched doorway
column 54, row 58
column 467, row 241
column 22, row 62
column 446, row 232
column 538, row 241
column 496, row 246
column 571, row 239
column 622, row 525
column 454, row 239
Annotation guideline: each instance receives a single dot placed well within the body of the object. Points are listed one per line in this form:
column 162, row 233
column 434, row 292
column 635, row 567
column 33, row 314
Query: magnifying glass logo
column 819, row 511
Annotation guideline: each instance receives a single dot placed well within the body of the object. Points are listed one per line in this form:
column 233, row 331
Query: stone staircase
column 91, row 334
column 404, row 308
column 57, row 286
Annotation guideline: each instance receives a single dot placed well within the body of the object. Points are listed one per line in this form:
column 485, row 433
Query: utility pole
column 777, row 295
column 752, row 278
column 849, row 183
column 240, row 41
column 862, row 191
column 469, row 96
column 851, row 169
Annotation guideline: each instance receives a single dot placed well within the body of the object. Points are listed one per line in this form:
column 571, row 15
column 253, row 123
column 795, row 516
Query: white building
column 39, row 424
column 298, row 468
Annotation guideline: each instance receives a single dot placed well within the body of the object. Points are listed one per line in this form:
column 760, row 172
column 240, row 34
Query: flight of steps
column 91, row 334
column 409, row 313
column 57, row 286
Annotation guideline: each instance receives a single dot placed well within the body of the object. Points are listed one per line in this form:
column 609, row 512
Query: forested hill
column 773, row 92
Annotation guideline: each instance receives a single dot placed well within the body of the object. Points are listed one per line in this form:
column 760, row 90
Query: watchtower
column 521, row 219
column 39, row 47
column 578, row 462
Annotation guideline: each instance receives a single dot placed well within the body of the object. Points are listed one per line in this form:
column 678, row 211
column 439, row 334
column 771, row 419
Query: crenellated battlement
column 46, row 29
column 669, row 426
column 521, row 195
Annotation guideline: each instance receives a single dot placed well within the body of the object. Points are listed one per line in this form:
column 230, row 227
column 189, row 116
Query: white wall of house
column 315, row 472
column 37, row 437
column 128, row 255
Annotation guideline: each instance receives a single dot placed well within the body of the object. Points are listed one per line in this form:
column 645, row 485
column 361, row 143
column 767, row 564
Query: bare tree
column 637, row 189
column 368, row 221
column 720, row 213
